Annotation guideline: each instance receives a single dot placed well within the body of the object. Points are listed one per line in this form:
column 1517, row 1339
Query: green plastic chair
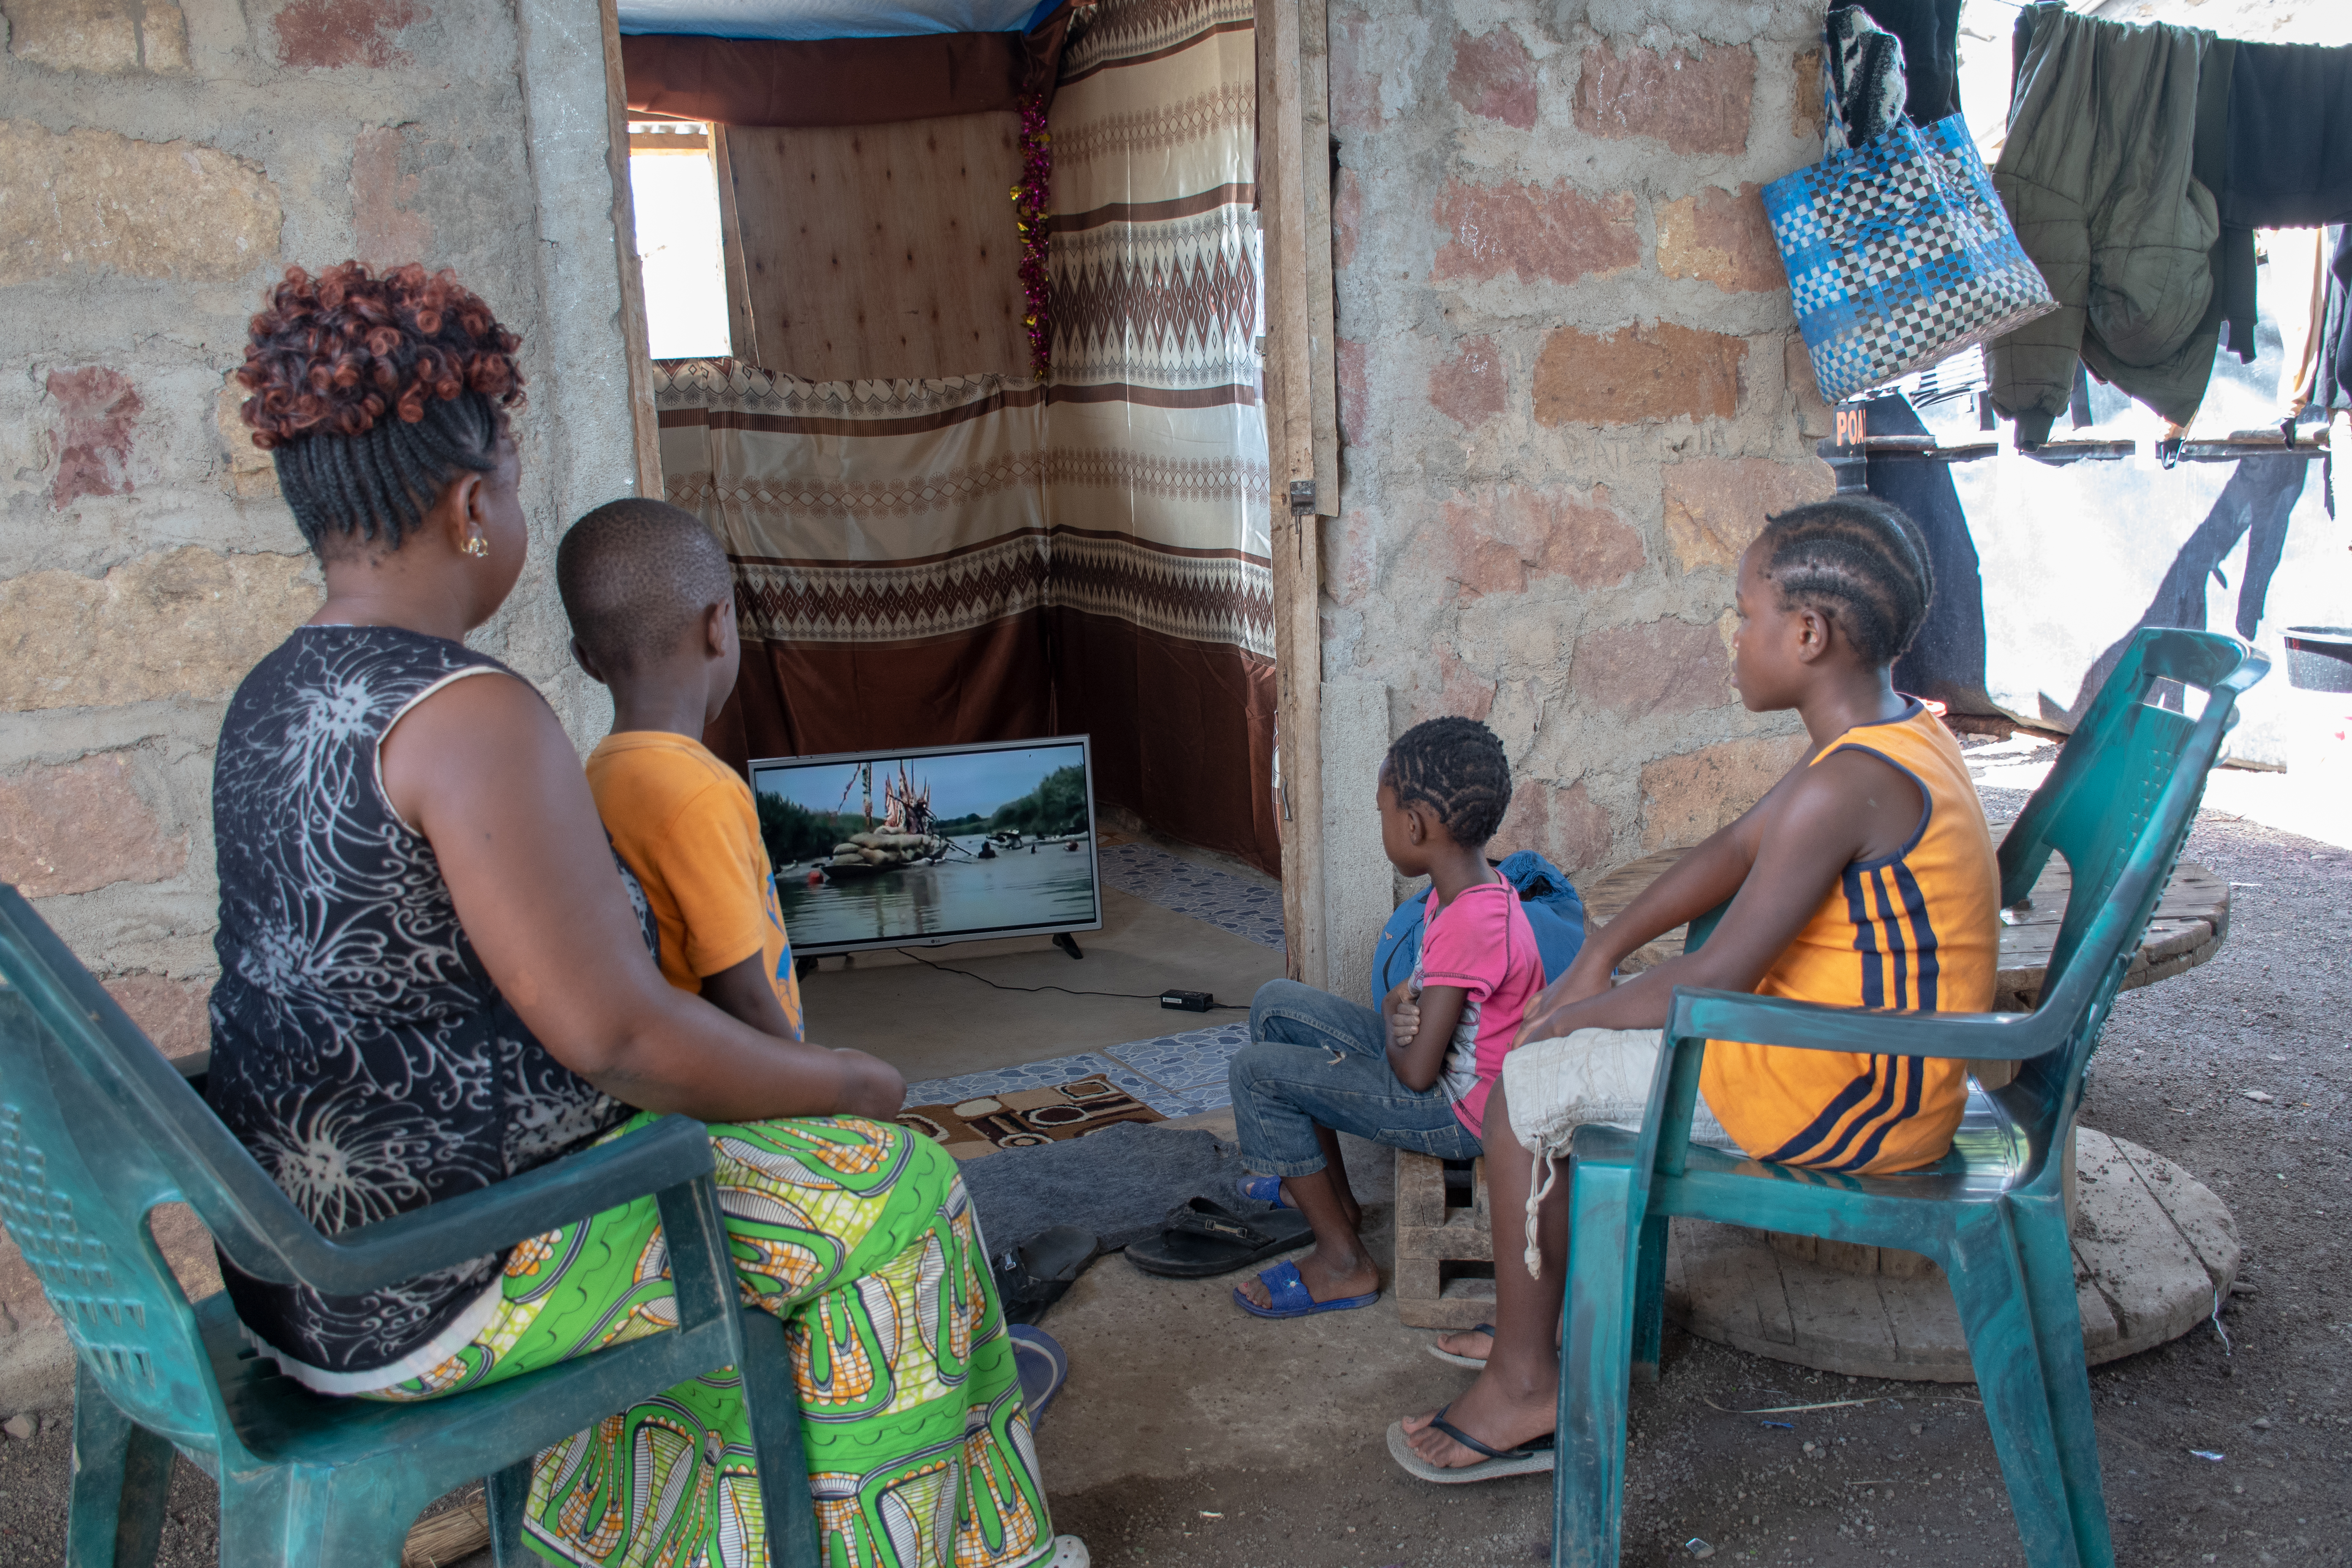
column 97, row 1128
column 2117, row 806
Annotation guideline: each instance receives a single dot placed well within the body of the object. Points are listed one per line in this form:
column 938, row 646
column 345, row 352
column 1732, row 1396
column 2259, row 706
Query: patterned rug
column 1251, row 910
column 1169, row 1076
column 1020, row 1116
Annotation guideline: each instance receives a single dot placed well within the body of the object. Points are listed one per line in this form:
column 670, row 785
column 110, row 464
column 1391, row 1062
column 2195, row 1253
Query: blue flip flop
column 1288, row 1293
column 1044, row 1367
column 1263, row 1190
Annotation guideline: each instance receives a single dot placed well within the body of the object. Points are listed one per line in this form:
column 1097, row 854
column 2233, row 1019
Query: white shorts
column 1592, row 1076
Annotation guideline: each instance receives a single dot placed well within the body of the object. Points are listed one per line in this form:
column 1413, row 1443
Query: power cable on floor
column 1124, row 996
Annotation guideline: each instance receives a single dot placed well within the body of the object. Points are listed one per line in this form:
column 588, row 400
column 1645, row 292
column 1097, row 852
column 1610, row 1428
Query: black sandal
column 1038, row 1272
column 1204, row 1239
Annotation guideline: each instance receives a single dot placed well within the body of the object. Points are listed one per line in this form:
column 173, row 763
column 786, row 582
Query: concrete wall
column 1570, row 388
column 160, row 164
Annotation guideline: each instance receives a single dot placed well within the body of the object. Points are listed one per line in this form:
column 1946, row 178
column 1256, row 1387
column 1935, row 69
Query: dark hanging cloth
column 2287, row 109
column 2232, row 311
column 1930, row 34
column 2290, row 137
column 2280, row 160
column 2098, row 177
column 2335, row 388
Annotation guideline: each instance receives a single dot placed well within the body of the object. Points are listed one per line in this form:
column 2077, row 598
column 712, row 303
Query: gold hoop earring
column 476, row 547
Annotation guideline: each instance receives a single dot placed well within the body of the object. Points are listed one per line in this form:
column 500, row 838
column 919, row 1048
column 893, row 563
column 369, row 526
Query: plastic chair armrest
column 196, row 1066
column 673, row 1151
column 1702, row 1015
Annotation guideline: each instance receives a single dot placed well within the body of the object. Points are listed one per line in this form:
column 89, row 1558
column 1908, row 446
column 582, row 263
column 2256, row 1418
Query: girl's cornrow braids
column 1454, row 766
column 1862, row 556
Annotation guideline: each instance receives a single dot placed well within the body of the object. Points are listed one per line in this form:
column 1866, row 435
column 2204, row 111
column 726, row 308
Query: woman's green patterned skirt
column 859, row 1236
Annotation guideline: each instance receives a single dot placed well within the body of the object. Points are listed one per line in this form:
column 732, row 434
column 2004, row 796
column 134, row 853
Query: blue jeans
column 1315, row 1059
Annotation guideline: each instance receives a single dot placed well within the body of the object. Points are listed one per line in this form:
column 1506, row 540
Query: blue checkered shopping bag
column 1899, row 255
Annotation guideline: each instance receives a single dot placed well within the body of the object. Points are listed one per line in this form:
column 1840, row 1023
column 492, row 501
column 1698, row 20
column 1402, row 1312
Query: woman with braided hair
column 1415, row 1074
column 1864, row 878
column 434, row 974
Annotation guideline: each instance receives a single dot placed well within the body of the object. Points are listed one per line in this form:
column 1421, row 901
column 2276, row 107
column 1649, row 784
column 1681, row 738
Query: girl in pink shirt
column 1416, row 1073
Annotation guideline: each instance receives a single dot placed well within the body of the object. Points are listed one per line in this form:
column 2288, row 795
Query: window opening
column 674, row 187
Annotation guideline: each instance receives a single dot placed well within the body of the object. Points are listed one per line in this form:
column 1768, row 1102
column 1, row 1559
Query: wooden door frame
column 1301, row 403
column 645, row 422
column 1302, row 435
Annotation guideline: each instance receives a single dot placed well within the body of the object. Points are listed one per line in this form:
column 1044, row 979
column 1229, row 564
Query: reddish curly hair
column 332, row 354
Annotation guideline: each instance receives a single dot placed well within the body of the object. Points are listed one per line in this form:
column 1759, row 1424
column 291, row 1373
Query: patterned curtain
column 1162, row 596
column 890, row 553
column 976, row 558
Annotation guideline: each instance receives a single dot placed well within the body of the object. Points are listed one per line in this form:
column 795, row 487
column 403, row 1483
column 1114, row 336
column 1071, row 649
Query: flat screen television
column 933, row 845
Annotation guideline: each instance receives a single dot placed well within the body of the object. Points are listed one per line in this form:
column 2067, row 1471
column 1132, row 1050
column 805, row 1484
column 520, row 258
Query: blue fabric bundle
column 1553, row 909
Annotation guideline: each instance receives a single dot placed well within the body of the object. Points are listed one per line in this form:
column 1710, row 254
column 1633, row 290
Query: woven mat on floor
column 1026, row 1117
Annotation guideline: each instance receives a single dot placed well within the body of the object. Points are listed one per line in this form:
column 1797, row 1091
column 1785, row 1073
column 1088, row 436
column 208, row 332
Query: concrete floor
column 929, row 1024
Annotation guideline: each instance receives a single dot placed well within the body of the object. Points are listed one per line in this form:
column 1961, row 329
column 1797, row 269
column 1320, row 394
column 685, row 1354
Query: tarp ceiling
column 802, row 20
column 2324, row 22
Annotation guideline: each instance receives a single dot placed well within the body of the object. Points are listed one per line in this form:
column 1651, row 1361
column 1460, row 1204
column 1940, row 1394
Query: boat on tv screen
column 929, row 847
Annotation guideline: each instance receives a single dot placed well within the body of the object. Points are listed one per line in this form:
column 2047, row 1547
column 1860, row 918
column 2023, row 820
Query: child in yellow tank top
column 1864, row 878
column 1914, row 931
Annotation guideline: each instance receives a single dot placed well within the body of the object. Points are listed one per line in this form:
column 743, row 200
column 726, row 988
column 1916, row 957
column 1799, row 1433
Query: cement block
column 1715, row 507
column 1721, row 237
column 1692, row 102
column 189, row 621
column 69, row 829
column 1650, row 371
column 110, row 36
column 1685, row 798
column 91, row 199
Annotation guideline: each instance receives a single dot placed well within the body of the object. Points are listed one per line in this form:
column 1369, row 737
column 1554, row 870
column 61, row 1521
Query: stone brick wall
column 160, row 164
column 1570, row 389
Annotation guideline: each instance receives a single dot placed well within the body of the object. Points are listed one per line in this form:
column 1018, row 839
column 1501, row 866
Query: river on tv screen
column 922, row 847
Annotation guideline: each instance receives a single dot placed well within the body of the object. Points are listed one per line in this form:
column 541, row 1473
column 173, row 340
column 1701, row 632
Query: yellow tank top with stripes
column 1918, row 931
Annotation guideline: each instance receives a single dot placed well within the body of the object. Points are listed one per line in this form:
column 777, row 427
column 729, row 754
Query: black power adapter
column 1187, row 1001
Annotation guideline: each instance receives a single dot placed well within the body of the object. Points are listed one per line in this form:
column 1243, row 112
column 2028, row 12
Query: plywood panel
column 882, row 251
column 743, row 333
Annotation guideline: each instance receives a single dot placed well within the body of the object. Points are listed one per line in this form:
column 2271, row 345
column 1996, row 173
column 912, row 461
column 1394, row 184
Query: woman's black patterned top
column 360, row 1049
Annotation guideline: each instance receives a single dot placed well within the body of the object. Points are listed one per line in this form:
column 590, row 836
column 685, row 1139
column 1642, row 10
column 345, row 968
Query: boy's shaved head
column 634, row 574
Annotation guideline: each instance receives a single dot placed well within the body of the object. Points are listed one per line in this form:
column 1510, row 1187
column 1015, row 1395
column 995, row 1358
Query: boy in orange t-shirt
column 651, row 605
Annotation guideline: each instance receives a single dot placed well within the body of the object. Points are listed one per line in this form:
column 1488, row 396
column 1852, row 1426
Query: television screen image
column 933, row 845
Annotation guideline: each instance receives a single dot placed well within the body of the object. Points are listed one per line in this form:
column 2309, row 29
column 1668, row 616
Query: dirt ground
column 1910, row 1475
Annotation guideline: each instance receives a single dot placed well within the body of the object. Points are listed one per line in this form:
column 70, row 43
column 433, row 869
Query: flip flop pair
column 1263, row 1190
column 1533, row 1458
column 1044, row 1366
column 1286, row 1292
column 1204, row 1239
column 1032, row 1276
